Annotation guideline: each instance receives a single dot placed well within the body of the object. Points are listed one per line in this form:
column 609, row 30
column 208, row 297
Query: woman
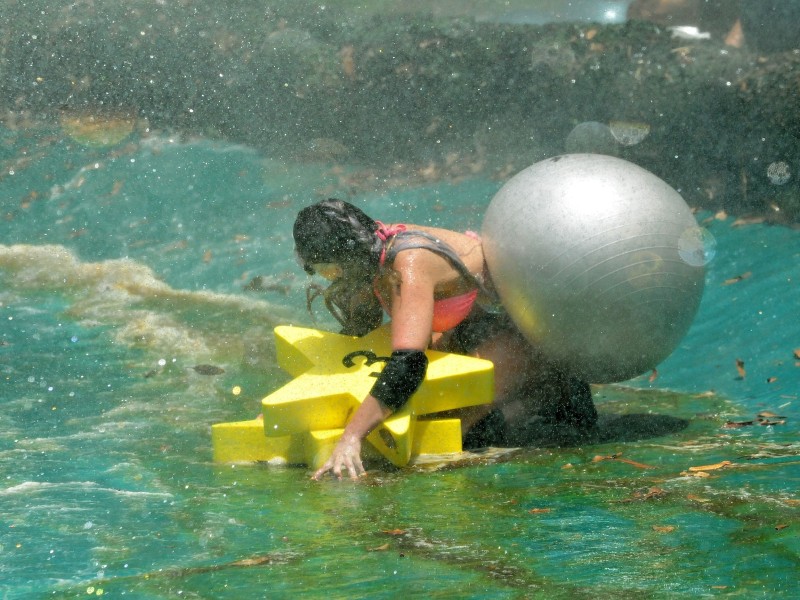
column 434, row 284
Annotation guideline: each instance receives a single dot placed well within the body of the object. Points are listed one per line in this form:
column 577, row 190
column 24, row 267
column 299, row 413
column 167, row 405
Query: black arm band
column 400, row 378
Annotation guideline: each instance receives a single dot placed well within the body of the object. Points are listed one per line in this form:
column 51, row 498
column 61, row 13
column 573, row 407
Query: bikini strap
column 385, row 233
column 403, row 240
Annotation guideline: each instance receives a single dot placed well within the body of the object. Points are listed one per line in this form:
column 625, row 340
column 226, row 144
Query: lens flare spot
column 779, row 173
column 629, row 133
column 697, row 246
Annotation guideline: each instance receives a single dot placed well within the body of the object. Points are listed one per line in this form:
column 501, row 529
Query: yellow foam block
column 453, row 381
column 333, row 373
column 244, row 441
column 404, row 436
column 319, row 446
column 436, row 436
column 393, row 438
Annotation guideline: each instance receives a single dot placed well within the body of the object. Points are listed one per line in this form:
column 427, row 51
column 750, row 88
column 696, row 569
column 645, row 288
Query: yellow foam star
column 333, row 374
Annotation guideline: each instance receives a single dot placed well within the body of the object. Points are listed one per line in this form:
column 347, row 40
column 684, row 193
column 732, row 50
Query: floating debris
column 348, row 63
column 695, row 474
column 380, row 548
column 765, row 418
column 714, row 467
column 259, row 560
column 97, row 131
column 768, row 423
column 740, row 368
column 651, row 493
column 696, row 498
column 259, row 283
column 738, row 278
column 618, row 457
column 766, row 414
column 663, row 528
column 769, row 418
column 752, row 220
column 539, row 511
column 208, row 370
column 737, row 424
column 116, row 188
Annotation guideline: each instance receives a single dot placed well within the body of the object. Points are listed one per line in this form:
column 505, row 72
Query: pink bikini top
column 447, row 312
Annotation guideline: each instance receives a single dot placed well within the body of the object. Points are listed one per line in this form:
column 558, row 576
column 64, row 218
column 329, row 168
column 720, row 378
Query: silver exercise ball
column 599, row 263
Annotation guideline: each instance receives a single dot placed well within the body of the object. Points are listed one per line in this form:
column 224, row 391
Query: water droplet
column 592, row 137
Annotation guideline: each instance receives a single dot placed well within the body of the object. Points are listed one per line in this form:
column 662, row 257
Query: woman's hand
column 347, row 455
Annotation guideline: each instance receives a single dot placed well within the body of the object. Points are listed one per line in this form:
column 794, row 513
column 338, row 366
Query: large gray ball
column 599, row 263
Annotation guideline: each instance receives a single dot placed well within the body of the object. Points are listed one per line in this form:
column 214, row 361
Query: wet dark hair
column 335, row 231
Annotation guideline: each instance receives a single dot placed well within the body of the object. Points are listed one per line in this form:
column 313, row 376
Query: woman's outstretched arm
column 412, row 315
column 347, row 453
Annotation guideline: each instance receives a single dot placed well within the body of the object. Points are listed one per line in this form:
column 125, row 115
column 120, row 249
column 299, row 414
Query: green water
column 127, row 267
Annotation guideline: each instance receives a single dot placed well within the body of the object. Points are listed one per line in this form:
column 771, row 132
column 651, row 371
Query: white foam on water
column 36, row 487
column 143, row 311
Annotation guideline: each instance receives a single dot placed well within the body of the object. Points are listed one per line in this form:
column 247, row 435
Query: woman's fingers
column 322, row 470
column 337, row 468
column 342, row 459
column 354, row 466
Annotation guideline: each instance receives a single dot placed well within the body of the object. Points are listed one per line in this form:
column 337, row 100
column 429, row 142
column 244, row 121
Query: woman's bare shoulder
column 467, row 247
column 448, row 236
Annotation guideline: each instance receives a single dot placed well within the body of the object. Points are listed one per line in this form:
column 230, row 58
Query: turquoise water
column 123, row 267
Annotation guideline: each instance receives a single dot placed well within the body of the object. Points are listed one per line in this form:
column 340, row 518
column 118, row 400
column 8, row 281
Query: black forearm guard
column 400, row 378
